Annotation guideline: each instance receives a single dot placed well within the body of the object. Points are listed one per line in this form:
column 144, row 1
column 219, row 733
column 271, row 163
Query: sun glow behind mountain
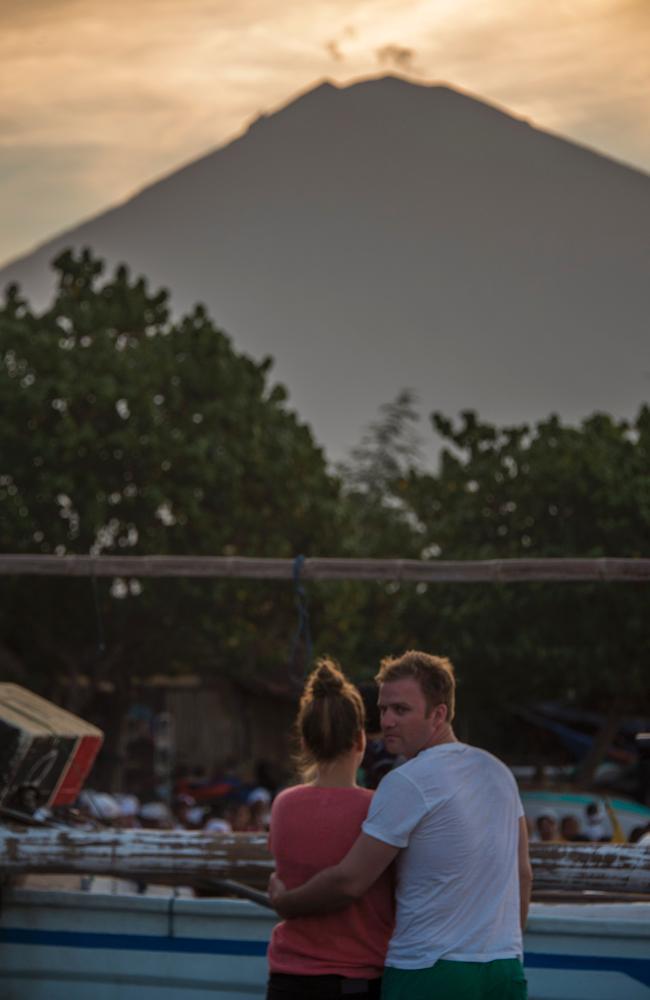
column 99, row 99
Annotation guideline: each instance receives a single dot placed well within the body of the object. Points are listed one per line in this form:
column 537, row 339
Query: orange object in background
column 46, row 752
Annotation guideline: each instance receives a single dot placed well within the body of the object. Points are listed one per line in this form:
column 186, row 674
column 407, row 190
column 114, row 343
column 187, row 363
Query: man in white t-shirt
column 452, row 817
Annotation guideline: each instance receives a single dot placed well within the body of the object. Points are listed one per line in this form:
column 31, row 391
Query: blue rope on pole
column 101, row 641
column 303, row 632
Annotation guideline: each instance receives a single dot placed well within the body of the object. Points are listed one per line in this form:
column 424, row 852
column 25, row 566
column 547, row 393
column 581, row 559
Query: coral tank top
column 311, row 829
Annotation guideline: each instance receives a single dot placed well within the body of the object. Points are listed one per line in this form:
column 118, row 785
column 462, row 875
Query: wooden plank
column 406, row 570
column 170, row 857
column 184, row 857
column 612, row 868
column 575, row 896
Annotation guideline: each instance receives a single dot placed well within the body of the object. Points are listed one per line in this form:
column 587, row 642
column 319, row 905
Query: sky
column 98, row 99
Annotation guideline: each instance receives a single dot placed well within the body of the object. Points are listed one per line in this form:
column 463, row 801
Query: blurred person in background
column 216, row 821
column 377, row 760
column 259, row 805
column 570, row 830
column 546, row 827
column 595, row 825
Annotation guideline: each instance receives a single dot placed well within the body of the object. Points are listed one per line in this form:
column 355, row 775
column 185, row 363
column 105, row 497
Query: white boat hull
column 86, row 946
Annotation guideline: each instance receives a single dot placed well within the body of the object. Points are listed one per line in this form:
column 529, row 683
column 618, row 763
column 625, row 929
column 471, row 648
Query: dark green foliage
column 125, row 432
column 376, row 618
column 549, row 490
column 501, row 493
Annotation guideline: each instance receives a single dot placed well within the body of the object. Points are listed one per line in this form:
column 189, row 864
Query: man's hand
column 333, row 888
column 277, row 889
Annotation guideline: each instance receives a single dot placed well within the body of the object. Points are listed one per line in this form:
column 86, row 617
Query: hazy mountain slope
column 388, row 235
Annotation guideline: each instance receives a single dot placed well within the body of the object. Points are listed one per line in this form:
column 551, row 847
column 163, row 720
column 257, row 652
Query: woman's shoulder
column 292, row 792
column 315, row 792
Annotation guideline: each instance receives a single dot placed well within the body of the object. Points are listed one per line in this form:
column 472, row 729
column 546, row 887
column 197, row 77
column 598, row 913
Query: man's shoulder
column 444, row 759
column 485, row 755
column 485, row 761
column 403, row 779
column 452, row 761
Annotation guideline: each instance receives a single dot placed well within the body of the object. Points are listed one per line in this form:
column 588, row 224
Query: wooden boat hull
column 76, row 945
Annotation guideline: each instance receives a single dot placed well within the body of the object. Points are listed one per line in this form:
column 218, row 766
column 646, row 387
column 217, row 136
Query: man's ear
column 437, row 714
column 443, row 712
column 360, row 745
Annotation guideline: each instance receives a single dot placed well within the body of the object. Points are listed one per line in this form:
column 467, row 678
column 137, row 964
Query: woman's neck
column 339, row 773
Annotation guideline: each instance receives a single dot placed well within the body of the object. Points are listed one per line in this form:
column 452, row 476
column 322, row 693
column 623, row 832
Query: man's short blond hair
column 434, row 674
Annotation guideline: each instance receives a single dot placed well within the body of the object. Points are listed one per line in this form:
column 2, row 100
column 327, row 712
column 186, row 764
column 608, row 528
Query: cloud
column 334, row 46
column 398, row 56
column 334, row 50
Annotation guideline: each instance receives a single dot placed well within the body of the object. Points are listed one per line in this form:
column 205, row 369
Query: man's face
column 406, row 725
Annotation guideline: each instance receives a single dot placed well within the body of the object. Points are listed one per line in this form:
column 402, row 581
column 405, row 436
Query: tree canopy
column 550, row 490
column 127, row 431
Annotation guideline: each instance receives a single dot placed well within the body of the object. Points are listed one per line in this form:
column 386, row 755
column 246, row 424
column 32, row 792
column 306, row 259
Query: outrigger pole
column 169, row 857
column 603, row 570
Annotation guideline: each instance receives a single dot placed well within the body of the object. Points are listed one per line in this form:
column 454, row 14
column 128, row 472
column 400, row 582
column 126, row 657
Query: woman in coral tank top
column 313, row 826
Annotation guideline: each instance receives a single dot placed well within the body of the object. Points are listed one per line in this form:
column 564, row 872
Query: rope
column 101, row 643
column 303, row 632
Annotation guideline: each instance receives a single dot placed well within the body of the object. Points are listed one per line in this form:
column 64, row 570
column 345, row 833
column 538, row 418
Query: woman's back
column 312, row 828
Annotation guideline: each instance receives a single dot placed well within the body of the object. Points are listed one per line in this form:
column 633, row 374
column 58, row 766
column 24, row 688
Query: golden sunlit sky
column 100, row 99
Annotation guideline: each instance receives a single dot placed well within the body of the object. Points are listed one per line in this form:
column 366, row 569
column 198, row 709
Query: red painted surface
column 74, row 774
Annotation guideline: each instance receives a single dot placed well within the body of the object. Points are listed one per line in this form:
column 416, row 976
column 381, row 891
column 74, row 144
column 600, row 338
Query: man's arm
column 337, row 886
column 525, row 873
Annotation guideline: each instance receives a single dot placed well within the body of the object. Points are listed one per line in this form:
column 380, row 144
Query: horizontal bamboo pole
column 619, row 868
column 407, row 570
column 575, row 896
column 169, row 857
column 188, row 858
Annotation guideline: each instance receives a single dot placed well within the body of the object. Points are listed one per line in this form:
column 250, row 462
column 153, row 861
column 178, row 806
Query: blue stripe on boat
column 636, row 968
column 132, row 942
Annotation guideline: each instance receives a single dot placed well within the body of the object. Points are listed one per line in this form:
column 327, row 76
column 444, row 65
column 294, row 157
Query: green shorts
column 502, row 979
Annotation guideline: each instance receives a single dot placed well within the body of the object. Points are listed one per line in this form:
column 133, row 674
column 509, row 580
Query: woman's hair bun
column 327, row 679
column 330, row 716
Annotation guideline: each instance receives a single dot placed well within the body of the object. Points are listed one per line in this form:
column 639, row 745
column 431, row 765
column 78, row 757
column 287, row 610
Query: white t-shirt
column 455, row 809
